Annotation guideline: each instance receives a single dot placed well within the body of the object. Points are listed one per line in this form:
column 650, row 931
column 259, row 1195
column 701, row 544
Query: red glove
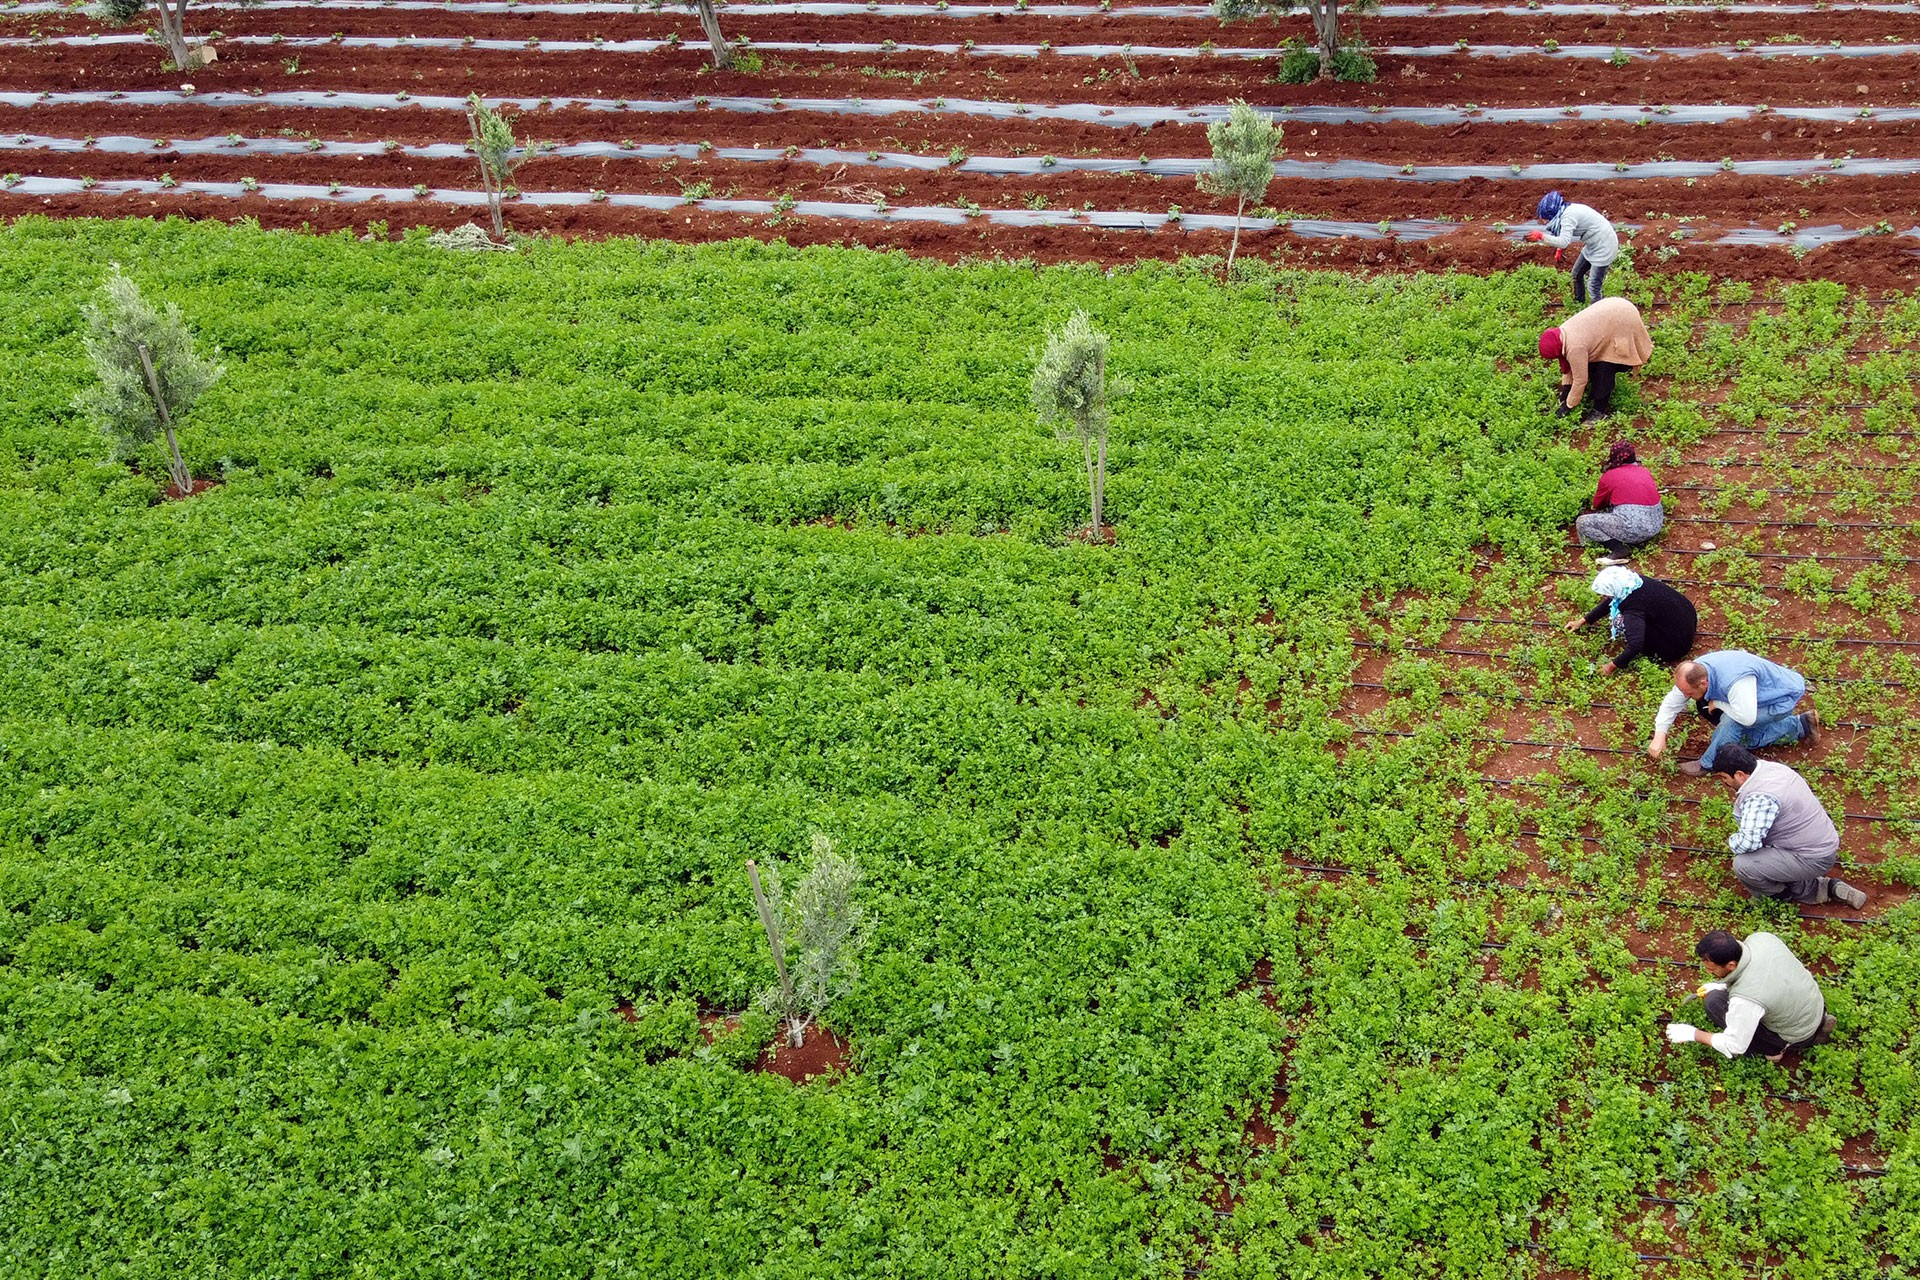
column 1536, row 237
column 1557, row 255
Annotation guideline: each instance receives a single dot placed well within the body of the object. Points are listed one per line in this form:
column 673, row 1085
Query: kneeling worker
column 1785, row 842
column 1749, row 699
column 1763, row 1000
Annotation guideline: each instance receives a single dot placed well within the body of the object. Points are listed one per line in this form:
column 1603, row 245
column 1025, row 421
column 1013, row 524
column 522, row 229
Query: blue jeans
column 1588, row 278
column 1761, row 733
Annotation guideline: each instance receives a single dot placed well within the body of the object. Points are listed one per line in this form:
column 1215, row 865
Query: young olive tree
column 1070, row 389
column 498, row 153
column 1244, row 145
column 173, row 27
column 1327, row 59
column 814, row 933
column 710, row 23
column 149, row 374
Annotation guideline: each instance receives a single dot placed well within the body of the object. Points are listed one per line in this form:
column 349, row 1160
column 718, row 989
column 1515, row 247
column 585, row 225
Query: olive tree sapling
column 1070, row 389
column 1244, row 145
column 813, row 933
column 148, row 372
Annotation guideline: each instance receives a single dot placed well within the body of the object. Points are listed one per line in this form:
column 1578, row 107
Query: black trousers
column 1765, row 1042
column 1600, row 377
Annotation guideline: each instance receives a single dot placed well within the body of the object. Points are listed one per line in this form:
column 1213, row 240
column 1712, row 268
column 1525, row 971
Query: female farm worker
column 1650, row 616
column 1599, row 246
column 1626, row 507
column 1594, row 346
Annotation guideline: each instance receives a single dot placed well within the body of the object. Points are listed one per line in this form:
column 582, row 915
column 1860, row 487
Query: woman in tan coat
column 1594, row 346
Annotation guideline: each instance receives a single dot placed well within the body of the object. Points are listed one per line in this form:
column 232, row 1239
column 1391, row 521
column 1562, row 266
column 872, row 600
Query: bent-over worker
column 1599, row 246
column 1785, row 842
column 1749, row 699
column 1762, row 999
column 1627, row 510
column 1647, row 614
column 1594, row 346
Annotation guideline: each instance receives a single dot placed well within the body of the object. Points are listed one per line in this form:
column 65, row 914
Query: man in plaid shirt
column 1785, row 842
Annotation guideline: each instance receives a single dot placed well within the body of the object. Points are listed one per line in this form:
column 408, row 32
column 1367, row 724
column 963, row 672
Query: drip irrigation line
column 1763, row 463
column 998, row 166
column 1085, row 113
column 1552, row 702
column 1581, row 894
column 1905, row 527
column 1541, row 625
column 1815, row 431
column 1483, row 653
column 1577, row 746
column 972, row 49
column 1696, row 801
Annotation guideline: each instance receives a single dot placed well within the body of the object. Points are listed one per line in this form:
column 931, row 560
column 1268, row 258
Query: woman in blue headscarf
column 1599, row 246
column 1650, row 616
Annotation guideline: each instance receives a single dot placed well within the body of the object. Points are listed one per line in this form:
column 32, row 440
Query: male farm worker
column 1784, row 843
column 1751, row 699
column 1763, row 999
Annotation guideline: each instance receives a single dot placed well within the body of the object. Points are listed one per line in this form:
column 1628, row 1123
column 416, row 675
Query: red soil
column 821, row 1053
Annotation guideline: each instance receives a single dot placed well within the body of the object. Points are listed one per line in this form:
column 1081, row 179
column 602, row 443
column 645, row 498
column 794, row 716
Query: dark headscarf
column 1621, row 455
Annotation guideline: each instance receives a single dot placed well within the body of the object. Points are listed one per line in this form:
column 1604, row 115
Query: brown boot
column 1690, row 768
column 1824, row 1034
column 1810, row 728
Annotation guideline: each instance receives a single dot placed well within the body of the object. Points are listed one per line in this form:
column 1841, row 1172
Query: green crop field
column 345, row 805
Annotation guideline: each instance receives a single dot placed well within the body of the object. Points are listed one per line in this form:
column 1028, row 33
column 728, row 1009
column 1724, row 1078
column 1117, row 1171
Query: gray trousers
column 1629, row 524
column 1768, row 872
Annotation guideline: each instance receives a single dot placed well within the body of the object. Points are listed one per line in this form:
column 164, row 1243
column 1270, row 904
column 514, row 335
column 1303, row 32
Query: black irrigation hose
column 1554, row 702
column 1666, row 903
column 1768, row 462
column 1695, row 800
column 1905, row 527
column 1575, row 746
column 1801, row 640
column 1482, row 653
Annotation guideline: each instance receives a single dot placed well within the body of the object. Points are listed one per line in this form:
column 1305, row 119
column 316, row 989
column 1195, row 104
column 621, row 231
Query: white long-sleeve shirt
column 1595, row 234
column 1743, row 1019
column 1743, row 704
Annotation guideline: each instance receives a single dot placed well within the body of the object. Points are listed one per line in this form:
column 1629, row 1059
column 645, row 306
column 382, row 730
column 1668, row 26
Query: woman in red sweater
column 1626, row 507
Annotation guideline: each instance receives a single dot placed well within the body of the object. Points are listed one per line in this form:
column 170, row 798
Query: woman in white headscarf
column 1647, row 614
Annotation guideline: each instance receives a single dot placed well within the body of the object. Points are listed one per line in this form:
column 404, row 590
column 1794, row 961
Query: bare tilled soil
column 862, row 83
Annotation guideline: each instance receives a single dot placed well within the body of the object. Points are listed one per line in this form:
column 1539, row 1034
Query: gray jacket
column 1595, row 234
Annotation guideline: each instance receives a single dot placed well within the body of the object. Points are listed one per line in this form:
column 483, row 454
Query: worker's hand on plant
column 1680, row 1032
column 1577, row 623
column 1536, row 237
column 1706, row 989
column 1606, row 668
column 1657, row 746
column 1562, row 409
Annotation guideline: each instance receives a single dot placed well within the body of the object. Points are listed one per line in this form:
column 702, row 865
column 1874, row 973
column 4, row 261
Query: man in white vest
column 1763, row 1001
column 1785, row 843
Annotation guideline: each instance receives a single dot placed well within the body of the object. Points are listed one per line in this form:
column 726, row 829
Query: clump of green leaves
column 1328, row 57
column 1244, row 145
column 148, row 373
column 1070, row 389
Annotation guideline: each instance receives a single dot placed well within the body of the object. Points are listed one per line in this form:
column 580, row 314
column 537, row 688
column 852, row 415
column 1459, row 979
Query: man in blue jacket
column 1750, row 699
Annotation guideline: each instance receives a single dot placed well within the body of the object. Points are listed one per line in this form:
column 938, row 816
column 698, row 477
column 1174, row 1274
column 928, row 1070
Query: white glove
column 1679, row 1032
column 1707, row 988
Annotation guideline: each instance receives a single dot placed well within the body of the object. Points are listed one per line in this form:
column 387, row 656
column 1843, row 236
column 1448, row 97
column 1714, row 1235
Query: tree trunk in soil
column 796, row 1025
column 1235, row 246
column 1326, row 28
column 173, row 31
column 176, row 465
column 1099, row 490
column 710, row 23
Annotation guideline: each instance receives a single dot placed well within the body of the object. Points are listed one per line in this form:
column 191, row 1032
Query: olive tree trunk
column 710, row 23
